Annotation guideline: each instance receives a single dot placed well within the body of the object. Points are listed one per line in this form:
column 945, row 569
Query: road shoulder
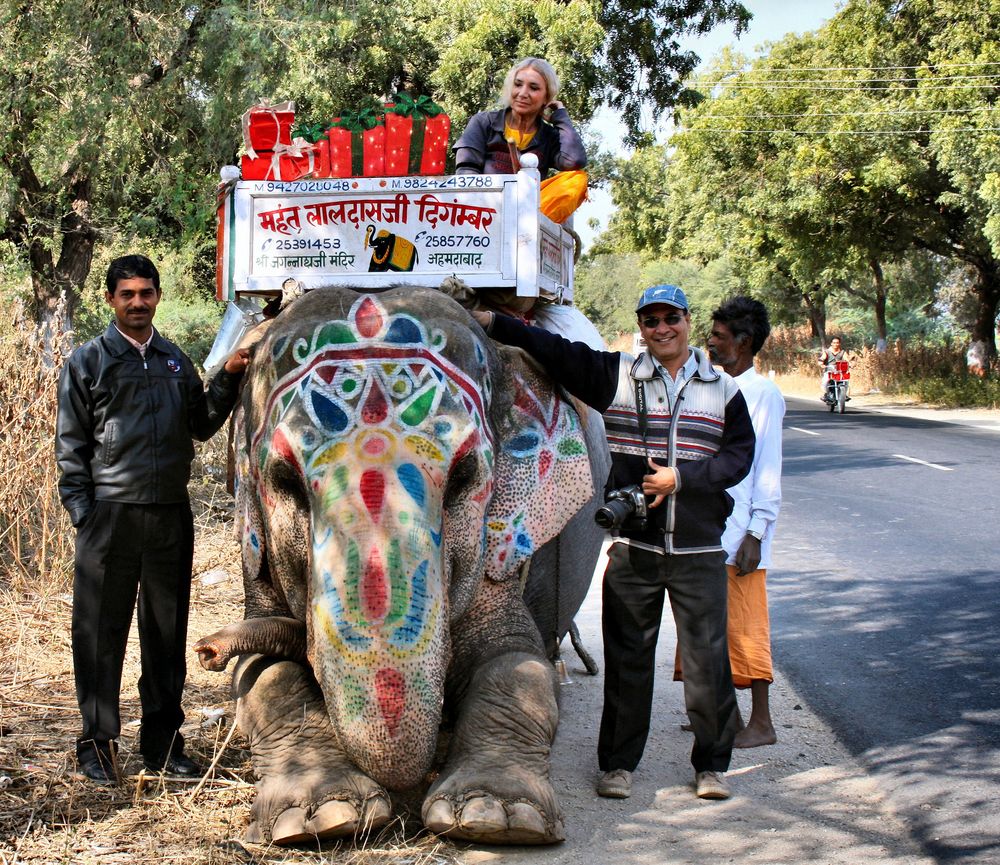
column 804, row 799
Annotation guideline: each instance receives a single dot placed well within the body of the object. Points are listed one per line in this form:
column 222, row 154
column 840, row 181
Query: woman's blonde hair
column 542, row 67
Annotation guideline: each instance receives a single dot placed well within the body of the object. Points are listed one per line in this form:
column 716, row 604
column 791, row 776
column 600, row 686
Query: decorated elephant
column 396, row 471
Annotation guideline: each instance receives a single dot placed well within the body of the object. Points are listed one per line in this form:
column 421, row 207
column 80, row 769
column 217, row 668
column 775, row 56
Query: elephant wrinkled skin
column 395, row 471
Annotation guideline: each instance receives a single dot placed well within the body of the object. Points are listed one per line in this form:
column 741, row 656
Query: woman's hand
column 551, row 107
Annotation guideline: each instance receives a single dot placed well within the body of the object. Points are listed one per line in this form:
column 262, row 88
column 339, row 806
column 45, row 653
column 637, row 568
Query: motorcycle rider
column 828, row 357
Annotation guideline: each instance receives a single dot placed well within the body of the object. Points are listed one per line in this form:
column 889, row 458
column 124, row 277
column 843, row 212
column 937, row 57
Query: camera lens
column 613, row 513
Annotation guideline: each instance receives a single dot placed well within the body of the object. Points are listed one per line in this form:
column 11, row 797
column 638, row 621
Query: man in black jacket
column 129, row 403
column 679, row 432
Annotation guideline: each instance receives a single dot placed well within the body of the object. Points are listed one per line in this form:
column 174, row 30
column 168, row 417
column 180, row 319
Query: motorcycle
column 838, row 382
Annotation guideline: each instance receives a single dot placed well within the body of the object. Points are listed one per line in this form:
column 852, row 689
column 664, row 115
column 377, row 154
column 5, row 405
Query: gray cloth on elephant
column 398, row 469
column 564, row 319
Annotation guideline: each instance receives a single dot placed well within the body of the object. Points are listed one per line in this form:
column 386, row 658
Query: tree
column 643, row 61
column 117, row 128
column 85, row 118
column 819, row 166
column 605, row 290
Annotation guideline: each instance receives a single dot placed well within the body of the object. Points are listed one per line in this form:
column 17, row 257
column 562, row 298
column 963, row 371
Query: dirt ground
column 803, row 799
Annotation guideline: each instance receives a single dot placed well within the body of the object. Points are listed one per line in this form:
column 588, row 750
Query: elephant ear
column 259, row 594
column 541, row 472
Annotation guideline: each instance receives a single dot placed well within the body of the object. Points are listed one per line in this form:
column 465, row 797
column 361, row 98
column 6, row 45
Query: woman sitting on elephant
column 531, row 120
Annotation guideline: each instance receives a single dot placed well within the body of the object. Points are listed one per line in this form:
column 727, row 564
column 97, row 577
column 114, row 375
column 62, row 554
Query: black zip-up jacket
column 708, row 438
column 125, row 425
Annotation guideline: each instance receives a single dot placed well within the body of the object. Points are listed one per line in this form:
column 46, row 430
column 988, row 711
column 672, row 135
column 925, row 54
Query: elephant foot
column 485, row 819
column 494, row 787
column 307, row 788
column 333, row 819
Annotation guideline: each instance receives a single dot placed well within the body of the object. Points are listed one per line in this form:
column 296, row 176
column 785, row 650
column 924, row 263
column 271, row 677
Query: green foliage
column 191, row 323
column 835, row 161
column 118, row 116
column 639, row 193
column 645, row 63
column 606, row 288
column 964, row 391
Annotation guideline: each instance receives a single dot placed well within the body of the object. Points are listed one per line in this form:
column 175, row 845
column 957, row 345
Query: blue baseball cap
column 669, row 294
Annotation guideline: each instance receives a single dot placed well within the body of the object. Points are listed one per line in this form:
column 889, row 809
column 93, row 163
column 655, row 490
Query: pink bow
column 297, row 149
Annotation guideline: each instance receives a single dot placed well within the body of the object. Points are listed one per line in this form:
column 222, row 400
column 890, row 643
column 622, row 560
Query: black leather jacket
column 124, row 424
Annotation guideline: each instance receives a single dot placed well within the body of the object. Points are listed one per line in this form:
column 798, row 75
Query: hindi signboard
column 485, row 229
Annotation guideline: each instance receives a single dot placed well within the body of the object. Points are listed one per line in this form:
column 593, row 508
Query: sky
column 772, row 19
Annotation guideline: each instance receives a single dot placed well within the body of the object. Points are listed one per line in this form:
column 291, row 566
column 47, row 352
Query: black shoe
column 99, row 767
column 175, row 764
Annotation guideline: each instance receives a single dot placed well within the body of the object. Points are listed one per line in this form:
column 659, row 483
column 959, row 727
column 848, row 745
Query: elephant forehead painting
column 398, row 470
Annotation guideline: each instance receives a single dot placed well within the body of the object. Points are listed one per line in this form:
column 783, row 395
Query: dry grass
column 49, row 814
column 36, row 539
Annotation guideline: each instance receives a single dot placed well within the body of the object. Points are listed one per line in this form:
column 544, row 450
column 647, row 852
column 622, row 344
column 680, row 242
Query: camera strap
column 640, row 407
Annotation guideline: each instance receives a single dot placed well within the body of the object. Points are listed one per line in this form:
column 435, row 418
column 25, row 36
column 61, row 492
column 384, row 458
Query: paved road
column 885, row 610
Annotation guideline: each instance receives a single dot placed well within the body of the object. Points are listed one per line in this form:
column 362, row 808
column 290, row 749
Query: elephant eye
column 462, row 474
column 286, row 481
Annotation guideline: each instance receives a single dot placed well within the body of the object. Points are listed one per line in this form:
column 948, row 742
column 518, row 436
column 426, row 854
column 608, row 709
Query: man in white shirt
column 739, row 328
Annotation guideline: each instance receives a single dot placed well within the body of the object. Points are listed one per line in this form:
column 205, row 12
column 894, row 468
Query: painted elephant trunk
column 382, row 673
column 275, row 636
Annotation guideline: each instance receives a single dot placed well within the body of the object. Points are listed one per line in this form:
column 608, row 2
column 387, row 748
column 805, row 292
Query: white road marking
column 808, row 432
column 923, row 463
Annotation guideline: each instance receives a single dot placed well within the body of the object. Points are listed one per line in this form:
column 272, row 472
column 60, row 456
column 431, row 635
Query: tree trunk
column 878, row 284
column 982, row 354
column 817, row 316
column 57, row 286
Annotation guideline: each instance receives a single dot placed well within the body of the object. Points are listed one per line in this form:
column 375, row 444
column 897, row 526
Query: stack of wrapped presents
column 407, row 136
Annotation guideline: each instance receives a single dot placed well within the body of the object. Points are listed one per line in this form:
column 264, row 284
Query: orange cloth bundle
column 563, row 193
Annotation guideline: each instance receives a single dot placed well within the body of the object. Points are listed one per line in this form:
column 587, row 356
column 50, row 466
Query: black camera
column 625, row 507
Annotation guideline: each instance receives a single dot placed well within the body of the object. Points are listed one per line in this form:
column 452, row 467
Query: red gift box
column 265, row 126
column 291, row 162
column 321, row 151
column 356, row 152
column 415, row 145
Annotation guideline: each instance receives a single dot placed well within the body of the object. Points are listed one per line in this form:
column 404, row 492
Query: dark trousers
column 634, row 585
column 125, row 550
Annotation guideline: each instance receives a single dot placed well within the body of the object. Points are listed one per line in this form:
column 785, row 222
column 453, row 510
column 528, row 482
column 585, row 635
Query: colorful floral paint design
column 546, row 477
column 370, row 415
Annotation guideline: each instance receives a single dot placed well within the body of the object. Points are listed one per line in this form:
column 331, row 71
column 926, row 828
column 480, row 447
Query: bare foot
column 753, row 736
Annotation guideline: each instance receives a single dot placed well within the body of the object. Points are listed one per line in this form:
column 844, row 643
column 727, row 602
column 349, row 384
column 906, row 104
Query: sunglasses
column 651, row 321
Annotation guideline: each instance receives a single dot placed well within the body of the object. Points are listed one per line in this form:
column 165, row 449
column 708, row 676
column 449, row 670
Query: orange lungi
column 748, row 632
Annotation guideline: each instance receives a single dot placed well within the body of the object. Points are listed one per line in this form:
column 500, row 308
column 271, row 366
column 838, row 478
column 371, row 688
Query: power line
column 724, row 82
column 860, row 87
column 848, row 113
column 839, row 131
column 881, row 68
